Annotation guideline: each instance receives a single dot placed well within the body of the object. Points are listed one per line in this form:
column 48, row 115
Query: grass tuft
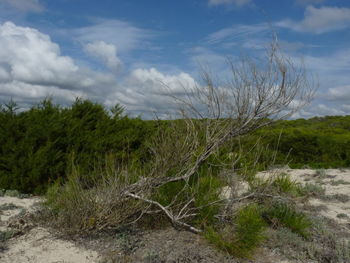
column 284, row 184
column 282, row 214
column 244, row 237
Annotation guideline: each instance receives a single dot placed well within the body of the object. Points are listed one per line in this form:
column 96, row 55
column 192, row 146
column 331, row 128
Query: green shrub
column 243, row 237
column 36, row 145
column 283, row 214
column 12, row 193
column 77, row 206
column 310, row 189
column 284, row 184
column 207, row 191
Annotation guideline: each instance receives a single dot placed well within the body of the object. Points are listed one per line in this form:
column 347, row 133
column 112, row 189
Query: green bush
column 207, row 191
column 284, row 184
column 243, row 237
column 82, row 206
column 36, row 145
column 283, row 214
column 310, row 189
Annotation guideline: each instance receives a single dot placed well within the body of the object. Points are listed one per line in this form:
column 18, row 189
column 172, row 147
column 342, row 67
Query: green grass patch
column 243, row 237
column 284, row 184
column 282, row 214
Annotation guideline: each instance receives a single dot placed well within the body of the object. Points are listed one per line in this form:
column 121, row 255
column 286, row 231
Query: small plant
column 8, row 206
column 310, row 189
column 151, row 257
column 12, row 193
column 342, row 215
column 337, row 197
column 284, row 184
column 321, row 173
column 323, row 246
column 125, row 243
column 79, row 206
column 6, row 235
column 282, row 214
column 242, row 239
column 338, row 182
column 288, row 243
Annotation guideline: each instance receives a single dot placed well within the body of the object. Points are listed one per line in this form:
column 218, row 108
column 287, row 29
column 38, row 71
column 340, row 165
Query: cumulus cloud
column 155, row 81
column 33, row 68
column 24, row 5
column 238, row 3
column 148, row 91
column 320, row 20
column 107, row 53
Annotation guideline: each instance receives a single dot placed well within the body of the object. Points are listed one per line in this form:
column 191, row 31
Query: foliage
column 243, row 237
column 79, row 206
column 314, row 190
column 320, row 142
column 36, row 145
column 284, row 184
column 284, row 214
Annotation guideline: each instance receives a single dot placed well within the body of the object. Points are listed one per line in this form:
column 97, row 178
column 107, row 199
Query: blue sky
column 115, row 51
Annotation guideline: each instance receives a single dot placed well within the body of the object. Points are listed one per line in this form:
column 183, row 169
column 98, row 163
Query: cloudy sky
column 115, row 51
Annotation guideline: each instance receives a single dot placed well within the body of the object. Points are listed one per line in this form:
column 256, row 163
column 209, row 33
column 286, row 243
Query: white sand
column 38, row 245
column 334, row 181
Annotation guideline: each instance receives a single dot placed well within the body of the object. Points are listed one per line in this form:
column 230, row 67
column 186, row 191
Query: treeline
column 319, row 142
column 37, row 146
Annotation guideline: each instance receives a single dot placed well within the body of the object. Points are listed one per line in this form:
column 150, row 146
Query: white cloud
column 346, row 108
column 207, row 59
column 246, row 36
column 339, row 93
column 157, row 82
column 107, row 53
column 320, row 20
column 332, row 73
column 24, row 5
column 121, row 34
column 324, row 110
column 32, row 68
column 149, row 91
column 22, row 52
column 318, row 109
column 237, row 3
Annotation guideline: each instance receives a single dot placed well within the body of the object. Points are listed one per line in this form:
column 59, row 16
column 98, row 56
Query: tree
column 212, row 114
column 181, row 181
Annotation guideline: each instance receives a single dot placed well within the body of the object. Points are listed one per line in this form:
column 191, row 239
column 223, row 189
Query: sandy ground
column 335, row 182
column 37, row 245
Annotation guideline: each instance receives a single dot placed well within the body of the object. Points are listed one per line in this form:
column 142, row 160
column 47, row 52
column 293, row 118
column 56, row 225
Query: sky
column 125, row 52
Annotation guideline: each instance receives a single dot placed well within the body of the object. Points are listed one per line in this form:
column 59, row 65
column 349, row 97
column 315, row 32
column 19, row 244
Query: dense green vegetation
column 37, row 146
column 100, row 168
column 320, row 142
